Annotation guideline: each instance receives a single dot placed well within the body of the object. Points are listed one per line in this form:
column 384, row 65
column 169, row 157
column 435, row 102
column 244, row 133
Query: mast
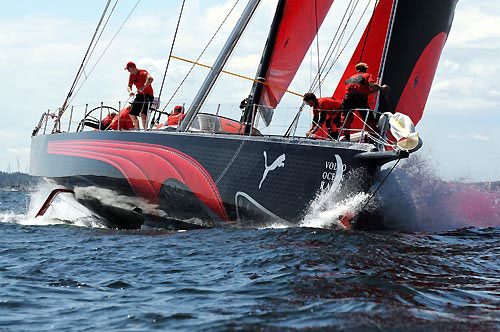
column 386, row 48
column 256, row 91
column 219, row 64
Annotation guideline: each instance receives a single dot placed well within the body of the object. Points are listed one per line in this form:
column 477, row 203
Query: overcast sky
column 43, row 41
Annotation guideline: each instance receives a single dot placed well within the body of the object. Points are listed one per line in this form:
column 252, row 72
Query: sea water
column 440, row 271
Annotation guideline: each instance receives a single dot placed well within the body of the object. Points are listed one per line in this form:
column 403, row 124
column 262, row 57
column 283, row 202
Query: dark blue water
column 65, row 277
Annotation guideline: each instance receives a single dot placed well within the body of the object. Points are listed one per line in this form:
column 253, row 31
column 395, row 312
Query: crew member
column 144, row 97
column 323, row 114
column 176, row 116
column 357, row 89
column 106, row 122
column 111, row 121
column 125, row 120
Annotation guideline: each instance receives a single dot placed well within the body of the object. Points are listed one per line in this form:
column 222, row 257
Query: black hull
column 199, row 180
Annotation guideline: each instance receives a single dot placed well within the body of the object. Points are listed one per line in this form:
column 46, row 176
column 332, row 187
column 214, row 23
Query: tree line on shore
column 16, row 180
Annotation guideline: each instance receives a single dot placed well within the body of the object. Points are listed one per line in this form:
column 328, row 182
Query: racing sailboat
column 203, row 174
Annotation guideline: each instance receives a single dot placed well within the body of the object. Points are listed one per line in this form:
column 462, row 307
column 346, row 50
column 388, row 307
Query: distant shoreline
column 487, row 185
column 17, row 180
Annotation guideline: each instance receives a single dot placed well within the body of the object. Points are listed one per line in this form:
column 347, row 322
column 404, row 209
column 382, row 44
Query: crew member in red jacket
column 144, row 97
column 357, row 89
column 323, row 114
column 125, row 120
column 111, row 121
column 176, row 116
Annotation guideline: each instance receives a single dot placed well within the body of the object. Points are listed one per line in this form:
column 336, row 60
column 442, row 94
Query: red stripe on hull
column 147, row 166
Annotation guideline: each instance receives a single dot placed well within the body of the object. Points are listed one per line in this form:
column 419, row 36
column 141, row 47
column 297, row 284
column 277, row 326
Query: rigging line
column 100, row 35
column 333, row 40
column 323, row 130
column 368, row 31
column 343, row 34
column 95, row 44
column 230, row 163
column 77, row 208
column 157, row 115
column 171, row 48
column 317, row 42
column 237, row 75
column 337, row 42
column 350, row 37
column 344, row 31
column 310, row 67
column 380, row 185
column 326, row 59
column 107, row 47
column 84, row 58
column 201, row 54
column 294, row 121
column 368, row 127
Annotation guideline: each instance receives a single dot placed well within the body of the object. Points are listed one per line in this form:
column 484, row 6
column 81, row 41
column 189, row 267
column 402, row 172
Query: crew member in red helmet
column 144, row 97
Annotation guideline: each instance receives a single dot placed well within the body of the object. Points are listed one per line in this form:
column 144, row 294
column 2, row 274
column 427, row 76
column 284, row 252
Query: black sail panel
column 419, row 32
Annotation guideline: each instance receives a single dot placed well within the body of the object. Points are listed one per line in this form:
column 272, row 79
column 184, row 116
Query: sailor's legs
column 134, row 121
column 144, row 120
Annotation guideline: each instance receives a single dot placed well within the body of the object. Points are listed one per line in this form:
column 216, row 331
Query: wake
column 63, row 210
column 412, row 199
column 416, row 199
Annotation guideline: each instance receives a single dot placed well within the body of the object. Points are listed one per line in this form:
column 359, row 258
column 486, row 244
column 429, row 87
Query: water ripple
column 67, row 278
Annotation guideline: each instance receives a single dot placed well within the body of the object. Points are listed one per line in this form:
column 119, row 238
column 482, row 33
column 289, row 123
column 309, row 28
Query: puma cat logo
column 279, row 162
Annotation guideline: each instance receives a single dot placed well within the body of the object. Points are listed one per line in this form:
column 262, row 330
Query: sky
column 43, row 42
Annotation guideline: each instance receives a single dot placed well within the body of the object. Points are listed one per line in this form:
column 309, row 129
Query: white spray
column 63, row 210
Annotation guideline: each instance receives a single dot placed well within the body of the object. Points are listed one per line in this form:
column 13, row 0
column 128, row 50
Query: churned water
column 65, row 272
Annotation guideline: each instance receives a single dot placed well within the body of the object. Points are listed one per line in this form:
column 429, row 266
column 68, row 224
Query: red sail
column 414, row 96
column 298, row 27
column 370, row 48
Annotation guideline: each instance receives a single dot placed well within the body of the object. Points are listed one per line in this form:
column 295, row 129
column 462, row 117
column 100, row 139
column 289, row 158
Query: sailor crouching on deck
column 357, row 89
column 142, row 81
column 325, row 120
column 176, row 116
